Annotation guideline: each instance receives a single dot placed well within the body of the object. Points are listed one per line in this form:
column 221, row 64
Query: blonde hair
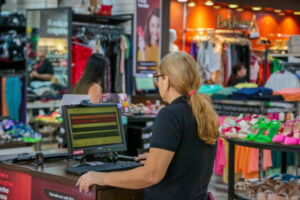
column 183, row 74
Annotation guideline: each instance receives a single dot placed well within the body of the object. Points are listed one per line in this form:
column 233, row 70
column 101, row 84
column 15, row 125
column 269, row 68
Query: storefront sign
column 54, row 23
column 47, row 190
column 232, row 23
column 147, row 37
column 14, row 185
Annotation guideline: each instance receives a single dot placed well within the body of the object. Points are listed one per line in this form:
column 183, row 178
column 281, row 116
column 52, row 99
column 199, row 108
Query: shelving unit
column 237, row 107
column 261, row 146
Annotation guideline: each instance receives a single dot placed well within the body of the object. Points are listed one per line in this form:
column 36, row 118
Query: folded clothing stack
column 250, row 93
column 11, row 131
column 292, row 94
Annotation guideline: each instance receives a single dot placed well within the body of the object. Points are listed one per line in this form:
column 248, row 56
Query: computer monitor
column 145, row 83
column 93, row 129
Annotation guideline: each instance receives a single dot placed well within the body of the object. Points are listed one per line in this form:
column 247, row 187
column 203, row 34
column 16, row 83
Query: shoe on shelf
column 287, row 131
column 295, row 139
column 273, row 128
column 258, row 129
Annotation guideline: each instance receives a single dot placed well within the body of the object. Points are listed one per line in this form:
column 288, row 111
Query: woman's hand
column 89, row 179
column 142, row 157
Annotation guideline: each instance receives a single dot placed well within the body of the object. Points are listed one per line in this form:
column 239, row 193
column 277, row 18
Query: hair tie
column 192, row 92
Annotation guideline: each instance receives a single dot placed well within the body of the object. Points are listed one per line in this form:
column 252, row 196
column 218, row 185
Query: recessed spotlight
column 192, row 4
column 277, row 11
column 297, row 13
column 209, row 3
column 182, row 0
column 233, row 5
column 256, row 8
column 240, row 9
column 217, row 7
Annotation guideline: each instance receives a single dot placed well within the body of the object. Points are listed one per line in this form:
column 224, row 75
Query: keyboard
column 105, row 167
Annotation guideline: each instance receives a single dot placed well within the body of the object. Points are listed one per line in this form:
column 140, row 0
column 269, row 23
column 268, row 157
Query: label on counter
column 14, row 185
column 48, row 190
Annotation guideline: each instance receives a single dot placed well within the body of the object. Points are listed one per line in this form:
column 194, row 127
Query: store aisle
column 218, row 188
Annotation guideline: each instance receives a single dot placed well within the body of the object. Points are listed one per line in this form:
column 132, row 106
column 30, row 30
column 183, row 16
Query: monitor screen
column 145, row 83
column 94, row 129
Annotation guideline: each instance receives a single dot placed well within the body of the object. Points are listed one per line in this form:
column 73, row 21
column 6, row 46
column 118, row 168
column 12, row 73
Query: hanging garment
column 13, row 96
column 282, row 80
column 4, row 105
column 24, row 101
column 80, row 55
column 1, row 94
column 118, row 75
column 225, row 63
column 254, row 68
column 194, row 50
column 261, row 73
column 229, row 63
column 123, row 47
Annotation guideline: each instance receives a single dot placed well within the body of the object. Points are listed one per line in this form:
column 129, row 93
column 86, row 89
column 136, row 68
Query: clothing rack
column 215, row 31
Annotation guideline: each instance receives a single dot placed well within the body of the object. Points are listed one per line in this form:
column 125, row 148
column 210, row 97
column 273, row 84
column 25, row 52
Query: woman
column 183, row 145
column 43, row 70
column 148, row 43
column 238, row 75
column 92, row 78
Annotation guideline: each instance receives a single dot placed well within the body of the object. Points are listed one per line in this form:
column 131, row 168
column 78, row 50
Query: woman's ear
column 167, row 82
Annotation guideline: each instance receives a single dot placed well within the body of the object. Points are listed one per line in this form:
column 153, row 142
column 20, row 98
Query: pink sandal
column 287, row 131
column 295, row 139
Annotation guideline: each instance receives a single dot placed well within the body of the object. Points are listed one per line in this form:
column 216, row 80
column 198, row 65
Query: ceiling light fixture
column 182, row 0
column 192, row 4
column 281, row 13
column 277, row 11
column 297, row 13
column 233, row 5
column 240, row 9
column 209, row 3
column 217, row 7
column 256, row 8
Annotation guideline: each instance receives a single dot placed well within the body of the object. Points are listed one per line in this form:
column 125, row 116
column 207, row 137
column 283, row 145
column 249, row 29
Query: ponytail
column 206, row 118
column 183, row 73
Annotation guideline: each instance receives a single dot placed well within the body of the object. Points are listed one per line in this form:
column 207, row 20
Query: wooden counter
column 50, row 181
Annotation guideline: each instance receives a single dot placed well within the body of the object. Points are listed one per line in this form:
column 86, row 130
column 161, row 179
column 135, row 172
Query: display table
column 50, row 181
column 261, row 146
column 13, row 144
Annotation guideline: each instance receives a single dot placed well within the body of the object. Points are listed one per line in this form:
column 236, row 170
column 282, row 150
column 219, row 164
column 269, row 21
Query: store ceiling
column 276, row 4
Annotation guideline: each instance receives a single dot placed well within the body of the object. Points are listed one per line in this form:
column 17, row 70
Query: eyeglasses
column 156, row 77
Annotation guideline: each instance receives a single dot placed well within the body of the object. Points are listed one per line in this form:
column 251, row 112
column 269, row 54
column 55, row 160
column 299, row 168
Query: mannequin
column 172, row 47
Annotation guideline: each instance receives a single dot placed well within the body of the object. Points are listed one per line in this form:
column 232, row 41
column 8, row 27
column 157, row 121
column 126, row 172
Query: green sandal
column 273, row 127
column 262, row 125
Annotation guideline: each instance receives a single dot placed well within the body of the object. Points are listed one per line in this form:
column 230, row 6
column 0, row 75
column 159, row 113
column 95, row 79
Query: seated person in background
column 43, row 70
column 91, row 79
column 238, row 75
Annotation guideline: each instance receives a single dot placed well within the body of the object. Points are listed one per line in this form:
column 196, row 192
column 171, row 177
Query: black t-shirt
column 188, row 175
column 45, row 68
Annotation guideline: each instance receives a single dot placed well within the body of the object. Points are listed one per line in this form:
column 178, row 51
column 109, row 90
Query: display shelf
column 270, row 146
column 110, row 20
column 18, row 29
column 284, row 55
column 261, row 146
column 40, row 104
column 13, row 144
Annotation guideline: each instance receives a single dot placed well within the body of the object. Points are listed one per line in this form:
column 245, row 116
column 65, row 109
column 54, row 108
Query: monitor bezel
column 95, row 149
